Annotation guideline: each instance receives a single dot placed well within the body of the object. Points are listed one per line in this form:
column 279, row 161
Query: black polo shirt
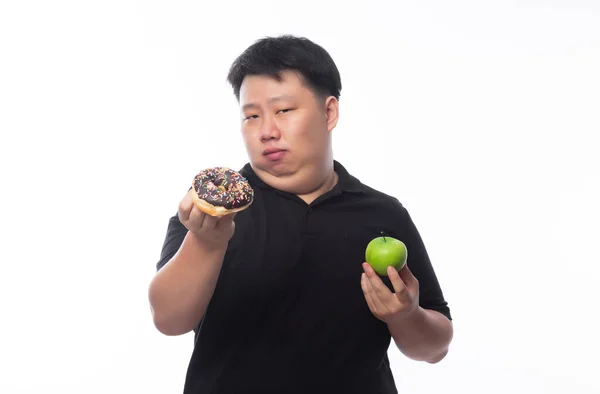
column 288, row 314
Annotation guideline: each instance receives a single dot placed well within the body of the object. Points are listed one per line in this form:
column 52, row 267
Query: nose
column 269, row 130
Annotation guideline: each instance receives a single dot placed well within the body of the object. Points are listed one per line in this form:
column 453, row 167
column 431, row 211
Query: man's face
column 285, row 126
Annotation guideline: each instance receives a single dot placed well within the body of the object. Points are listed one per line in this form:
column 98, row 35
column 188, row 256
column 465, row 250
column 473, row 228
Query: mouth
column 273, row 154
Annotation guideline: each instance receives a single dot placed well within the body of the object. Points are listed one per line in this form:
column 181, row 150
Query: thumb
column 231, row 216
column 226, row 219
column 408, row 277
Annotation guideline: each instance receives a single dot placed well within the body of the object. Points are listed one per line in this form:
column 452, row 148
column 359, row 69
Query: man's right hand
column 212, row 232
column 181, row 290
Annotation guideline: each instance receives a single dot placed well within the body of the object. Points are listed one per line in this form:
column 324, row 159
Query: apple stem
column 384, row 240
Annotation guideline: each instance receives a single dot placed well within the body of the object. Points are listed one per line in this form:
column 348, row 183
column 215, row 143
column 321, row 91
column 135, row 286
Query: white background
column 480, row 116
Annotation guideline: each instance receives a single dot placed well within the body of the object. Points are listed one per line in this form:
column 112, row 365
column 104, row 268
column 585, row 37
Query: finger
column 210, row 222
column 196, row 217
column 376, row 283
column 368, row 269
column 397, row 282
column 225, row 221
column 227, row 218
column 408, row 278
column 185, row 207
column 376, row 299
column 366, row 292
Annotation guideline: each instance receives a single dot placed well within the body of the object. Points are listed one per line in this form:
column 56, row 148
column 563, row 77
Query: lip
column 274, row 154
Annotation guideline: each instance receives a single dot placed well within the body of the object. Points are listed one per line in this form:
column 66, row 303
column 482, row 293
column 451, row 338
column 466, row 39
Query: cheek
column 249, row 140
column 304, row 126
column 308, row 135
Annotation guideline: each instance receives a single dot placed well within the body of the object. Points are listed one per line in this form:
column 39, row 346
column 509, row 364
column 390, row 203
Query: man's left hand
column 387, row 306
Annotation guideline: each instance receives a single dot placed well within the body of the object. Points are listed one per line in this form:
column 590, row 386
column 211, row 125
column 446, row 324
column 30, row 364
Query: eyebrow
column 270, row 101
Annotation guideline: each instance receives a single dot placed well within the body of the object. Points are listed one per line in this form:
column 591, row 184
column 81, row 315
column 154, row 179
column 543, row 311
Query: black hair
column 272, row 55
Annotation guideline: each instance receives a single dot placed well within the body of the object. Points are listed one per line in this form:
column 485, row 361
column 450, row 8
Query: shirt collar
column 346, row 182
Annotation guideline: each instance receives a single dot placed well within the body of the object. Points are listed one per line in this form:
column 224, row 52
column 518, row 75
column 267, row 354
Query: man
column 278, row 295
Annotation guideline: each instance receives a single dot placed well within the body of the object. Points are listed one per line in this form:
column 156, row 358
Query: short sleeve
column 430, row 291
column 176, row 233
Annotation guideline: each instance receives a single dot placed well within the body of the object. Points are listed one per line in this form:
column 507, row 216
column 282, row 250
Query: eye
column 251, row 117
column 284, row 110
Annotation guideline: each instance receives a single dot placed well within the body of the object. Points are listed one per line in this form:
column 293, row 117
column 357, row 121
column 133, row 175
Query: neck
column 328, row 184
column 309, row 183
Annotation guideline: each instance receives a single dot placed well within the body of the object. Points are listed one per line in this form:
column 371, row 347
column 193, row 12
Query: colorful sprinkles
column 221, row 186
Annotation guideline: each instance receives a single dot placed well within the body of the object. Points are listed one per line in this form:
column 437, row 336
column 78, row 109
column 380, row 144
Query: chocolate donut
column 221, row 191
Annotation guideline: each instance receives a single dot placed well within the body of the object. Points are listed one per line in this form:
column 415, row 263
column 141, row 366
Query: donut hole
column 218, row 181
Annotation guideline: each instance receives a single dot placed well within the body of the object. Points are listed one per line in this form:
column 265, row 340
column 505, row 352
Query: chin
column 275, row 168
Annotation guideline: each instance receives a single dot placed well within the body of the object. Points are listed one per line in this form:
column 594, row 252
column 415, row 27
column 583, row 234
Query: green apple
column 384, row 251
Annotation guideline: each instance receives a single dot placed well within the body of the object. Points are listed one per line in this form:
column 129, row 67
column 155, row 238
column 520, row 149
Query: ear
column 332, row 112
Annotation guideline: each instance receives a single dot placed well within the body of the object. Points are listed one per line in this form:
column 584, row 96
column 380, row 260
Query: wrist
column 208, row 247
column 413, row 318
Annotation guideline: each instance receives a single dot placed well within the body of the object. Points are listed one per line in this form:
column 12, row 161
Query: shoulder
column 384, row 210
column 350, row 183
column 368, row 196
column 385, row 201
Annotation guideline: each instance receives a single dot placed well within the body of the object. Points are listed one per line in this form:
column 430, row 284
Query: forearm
column 181, row 290
column 424, row 336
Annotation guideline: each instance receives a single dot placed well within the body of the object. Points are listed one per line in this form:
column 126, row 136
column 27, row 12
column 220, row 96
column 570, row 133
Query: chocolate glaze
column 223, row 187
